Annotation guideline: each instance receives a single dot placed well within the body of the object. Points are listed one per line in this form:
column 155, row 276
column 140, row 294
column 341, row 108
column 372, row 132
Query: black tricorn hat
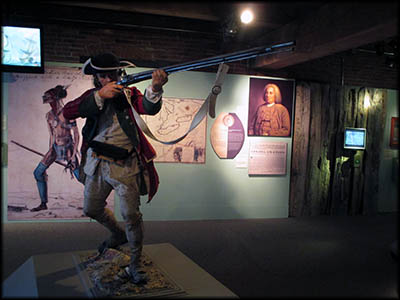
column 103, row 63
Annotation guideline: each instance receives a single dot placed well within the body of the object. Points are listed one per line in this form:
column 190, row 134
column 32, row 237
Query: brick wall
column 356, row 69
column 152, row 48
column 70, row 43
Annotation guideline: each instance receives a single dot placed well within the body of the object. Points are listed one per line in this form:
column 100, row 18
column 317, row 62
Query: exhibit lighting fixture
column 247, row 16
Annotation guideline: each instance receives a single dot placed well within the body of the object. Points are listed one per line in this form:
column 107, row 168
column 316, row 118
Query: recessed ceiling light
column 247, row 16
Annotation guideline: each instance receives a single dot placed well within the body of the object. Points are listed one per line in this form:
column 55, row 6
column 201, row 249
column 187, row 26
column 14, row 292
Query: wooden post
column 300, row 150
column 375, row 128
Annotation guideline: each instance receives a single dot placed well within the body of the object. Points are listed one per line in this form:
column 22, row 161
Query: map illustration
column 172, row 122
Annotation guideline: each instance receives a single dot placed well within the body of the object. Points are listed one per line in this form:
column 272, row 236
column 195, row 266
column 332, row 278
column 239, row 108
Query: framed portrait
column 270, row 107
column 394, row 133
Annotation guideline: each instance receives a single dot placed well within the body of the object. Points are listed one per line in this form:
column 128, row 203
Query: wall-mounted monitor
column 355, row 138
column 21, row 49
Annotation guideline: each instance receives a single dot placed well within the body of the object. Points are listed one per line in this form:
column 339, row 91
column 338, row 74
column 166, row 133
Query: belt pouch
column 109, row 150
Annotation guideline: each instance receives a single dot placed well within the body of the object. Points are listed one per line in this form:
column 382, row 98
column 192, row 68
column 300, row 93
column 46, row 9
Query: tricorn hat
column 104, row 63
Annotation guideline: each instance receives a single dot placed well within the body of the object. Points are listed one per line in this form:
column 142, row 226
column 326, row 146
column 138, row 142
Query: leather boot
column 118, row 236
column 134, row 233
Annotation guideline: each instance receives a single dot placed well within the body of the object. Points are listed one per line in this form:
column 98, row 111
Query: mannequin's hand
column 110, row 90
column 159, row 78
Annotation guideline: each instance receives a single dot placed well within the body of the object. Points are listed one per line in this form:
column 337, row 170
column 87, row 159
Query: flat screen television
column 22, row 49
column 355, row 138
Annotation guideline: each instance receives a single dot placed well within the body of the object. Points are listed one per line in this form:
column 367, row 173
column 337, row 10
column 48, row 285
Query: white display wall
column 218, row 188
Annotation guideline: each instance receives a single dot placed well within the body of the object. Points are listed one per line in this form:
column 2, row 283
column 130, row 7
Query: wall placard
column 227, row 135
column 267, row 158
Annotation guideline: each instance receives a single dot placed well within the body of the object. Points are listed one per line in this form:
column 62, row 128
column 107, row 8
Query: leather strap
column 207, row 106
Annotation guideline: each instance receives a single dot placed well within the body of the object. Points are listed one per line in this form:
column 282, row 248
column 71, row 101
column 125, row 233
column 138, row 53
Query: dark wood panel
column 300, row 148
column 327, row 179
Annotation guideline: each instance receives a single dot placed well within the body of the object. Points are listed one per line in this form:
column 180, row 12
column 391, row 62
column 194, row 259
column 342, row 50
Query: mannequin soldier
column 115, row 153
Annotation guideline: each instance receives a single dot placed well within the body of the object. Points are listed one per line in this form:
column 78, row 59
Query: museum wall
column 222, row 188
column 216, row 189
column 219, row 189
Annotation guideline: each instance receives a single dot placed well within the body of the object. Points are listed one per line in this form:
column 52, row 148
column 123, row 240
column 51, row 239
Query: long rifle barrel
column 202, row 63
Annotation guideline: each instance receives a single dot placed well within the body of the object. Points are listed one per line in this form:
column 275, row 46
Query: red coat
column 85, row 107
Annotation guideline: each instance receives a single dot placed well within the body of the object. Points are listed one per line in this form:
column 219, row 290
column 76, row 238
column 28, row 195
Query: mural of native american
column 43, row 147
column 63, row 146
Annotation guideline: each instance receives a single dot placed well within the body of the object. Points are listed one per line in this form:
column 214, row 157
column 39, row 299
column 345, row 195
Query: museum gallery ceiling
column 319, row 28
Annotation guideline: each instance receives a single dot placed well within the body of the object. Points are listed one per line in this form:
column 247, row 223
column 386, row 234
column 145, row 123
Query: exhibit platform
column 60, row 275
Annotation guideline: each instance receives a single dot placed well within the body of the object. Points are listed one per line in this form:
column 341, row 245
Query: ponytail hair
column 96, row 82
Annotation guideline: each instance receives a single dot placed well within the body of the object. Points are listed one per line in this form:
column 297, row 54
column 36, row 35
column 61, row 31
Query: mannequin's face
column 105, row 78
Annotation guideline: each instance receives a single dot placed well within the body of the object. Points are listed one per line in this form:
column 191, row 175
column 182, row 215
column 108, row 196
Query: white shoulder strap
column 208, row 105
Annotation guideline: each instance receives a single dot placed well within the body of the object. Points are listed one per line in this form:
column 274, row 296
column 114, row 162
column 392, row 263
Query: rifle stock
column 215, row 60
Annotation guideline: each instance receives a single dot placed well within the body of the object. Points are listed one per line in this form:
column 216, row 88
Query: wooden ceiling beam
column 334, row 28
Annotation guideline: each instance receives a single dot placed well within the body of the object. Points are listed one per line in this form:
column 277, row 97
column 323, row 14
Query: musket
column 206, row 62
column 38, row 153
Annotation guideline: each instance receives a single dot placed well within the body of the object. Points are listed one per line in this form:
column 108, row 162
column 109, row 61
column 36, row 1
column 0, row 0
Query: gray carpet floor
column 290, row 257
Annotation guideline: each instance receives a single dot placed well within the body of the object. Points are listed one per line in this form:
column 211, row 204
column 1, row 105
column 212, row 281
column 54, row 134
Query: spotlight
column 246, row 17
